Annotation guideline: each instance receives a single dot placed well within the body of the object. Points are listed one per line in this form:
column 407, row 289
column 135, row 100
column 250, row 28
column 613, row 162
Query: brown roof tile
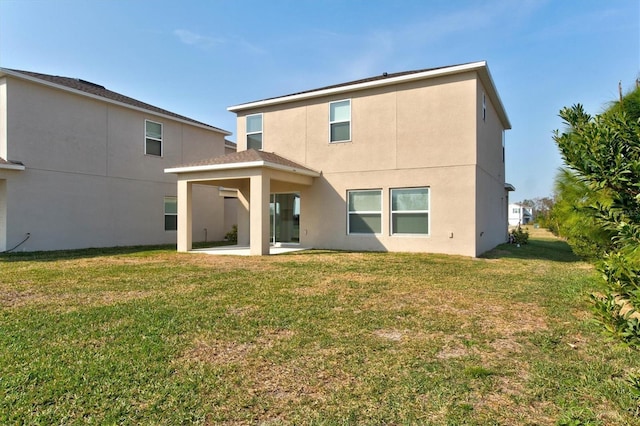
column 382, row 76
column 4, row 162
column 101, row 91
column 247, row 156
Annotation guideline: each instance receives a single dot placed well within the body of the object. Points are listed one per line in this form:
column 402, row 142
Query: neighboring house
column 519, row 214
column 82, row 166
column 411, row 161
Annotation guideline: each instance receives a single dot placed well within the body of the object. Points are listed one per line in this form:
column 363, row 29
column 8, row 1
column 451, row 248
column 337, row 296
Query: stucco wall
column 323, row 218
column 87, row 181
column 421, row 133
column 491, row 196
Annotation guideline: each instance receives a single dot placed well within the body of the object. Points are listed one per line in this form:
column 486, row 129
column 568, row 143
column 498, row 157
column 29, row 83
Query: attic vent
column 79, row 80
column 384, row 74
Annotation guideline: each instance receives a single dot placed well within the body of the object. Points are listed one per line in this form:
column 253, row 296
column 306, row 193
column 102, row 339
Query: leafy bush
column 603, row 153
column 519, row 236
column 232, row 236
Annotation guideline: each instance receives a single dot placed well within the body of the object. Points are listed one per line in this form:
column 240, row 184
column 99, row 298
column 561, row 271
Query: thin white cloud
column 193, row 39
column 372, row 52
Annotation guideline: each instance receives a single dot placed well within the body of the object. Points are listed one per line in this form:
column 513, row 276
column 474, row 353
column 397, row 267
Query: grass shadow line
column 539, row 249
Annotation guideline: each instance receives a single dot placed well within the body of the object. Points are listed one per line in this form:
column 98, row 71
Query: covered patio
column 255, row 175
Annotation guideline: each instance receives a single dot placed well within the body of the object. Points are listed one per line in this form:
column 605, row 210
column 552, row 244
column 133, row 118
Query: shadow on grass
column 542, row 249
column 54, row 255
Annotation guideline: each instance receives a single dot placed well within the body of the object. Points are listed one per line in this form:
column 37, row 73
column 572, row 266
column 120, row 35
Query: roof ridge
column 382, row 76
column 245, row 156
column 101, row 91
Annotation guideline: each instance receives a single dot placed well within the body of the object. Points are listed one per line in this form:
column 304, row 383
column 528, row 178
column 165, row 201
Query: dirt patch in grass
column 393, row 335
column 208, row 349
column 216, row 352
column 13, row 298
column 69, row 301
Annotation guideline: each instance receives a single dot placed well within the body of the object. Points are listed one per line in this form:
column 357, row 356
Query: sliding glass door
column 284, row 218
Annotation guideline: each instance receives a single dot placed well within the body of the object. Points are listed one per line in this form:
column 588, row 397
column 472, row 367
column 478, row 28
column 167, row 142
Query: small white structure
column 519, row 214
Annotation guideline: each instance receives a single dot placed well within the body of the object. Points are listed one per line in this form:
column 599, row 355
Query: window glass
column 340, row 111
column 364, row 212
column 254, row 123
column 410, row 211
column 410, row 223
column 154, row 130
column 254, row 141
column 365, row 201
column 340, row 132
column 410, row 199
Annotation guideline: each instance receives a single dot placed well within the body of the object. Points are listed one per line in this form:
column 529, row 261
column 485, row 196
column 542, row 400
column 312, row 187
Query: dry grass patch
column 157, row 337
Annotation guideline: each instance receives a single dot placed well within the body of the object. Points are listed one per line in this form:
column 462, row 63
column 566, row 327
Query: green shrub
column 519, row 236
column 232, row 236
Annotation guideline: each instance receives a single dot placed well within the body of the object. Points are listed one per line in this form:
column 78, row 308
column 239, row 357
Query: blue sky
column 196, row 58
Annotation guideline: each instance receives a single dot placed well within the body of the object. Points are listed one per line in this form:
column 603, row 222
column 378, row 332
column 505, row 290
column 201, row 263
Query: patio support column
column 243, row 214
column 185, row 234
column 259, row 214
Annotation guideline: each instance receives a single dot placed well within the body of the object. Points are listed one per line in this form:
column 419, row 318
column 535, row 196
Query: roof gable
column 387, row 79
column 94, row 90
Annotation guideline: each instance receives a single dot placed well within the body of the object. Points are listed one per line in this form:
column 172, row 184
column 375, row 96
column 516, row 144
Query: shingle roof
column 382, row 76
column 248, row 156
column 5, row 164
column 98, row 90
column 379, row 77
column 3, row 161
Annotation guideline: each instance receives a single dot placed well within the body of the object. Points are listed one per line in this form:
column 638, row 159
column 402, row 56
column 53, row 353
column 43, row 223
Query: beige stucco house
column 82, row 166
column 410, row 161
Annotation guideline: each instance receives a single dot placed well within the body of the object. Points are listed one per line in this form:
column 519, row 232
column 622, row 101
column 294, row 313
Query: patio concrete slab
column 244, row 251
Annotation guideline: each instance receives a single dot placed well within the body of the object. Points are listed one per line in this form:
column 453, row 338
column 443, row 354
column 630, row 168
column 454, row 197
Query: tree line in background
column 596, row 206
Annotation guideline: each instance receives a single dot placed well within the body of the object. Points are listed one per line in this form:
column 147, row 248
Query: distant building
column 519, row 214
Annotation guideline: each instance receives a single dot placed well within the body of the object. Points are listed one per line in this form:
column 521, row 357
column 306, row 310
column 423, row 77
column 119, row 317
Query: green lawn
column 150, row 336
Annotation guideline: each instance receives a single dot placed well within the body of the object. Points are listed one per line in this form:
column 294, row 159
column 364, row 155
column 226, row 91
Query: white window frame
column 349, row 212
column 261, row 132
column 147, row 137
column 392, row 212
column 170, row 214
column 331, row 123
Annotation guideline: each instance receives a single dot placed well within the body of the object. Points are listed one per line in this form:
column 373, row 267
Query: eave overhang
column 239, row 166
column 480, row 67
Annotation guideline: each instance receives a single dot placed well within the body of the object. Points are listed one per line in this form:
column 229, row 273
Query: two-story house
column 520, row 214
column 410, row 161
column 83, row 166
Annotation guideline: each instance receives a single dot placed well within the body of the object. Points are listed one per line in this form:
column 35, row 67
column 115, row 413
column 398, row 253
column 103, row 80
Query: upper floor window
column 340, row 121
column 153, row 138
column 410, row 211
column 254, row 131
